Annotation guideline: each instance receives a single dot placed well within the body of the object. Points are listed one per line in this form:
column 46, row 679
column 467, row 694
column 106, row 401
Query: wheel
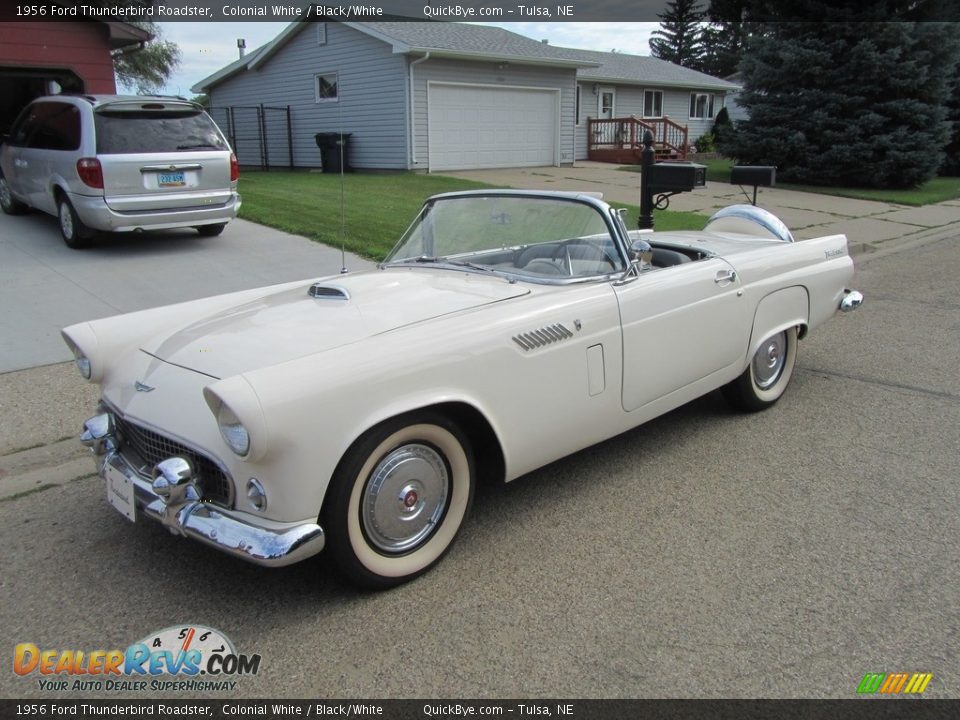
column 767, row 376
column 9, row 204
column 75, row 234
column 398, row 499
column 211, row 230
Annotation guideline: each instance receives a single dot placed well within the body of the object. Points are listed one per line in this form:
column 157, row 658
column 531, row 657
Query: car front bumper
column 176, row 504
column 95, row 213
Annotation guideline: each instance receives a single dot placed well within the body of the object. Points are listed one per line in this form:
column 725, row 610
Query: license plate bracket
column 120, row 493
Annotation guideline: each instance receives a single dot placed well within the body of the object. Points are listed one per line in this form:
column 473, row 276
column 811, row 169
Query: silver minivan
column 119, row 163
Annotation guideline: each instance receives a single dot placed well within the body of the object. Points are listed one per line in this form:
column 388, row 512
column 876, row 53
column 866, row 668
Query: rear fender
column 779, row 311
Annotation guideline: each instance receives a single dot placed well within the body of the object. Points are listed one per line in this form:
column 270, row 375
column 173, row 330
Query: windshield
column 538, row 237
column 121, row 132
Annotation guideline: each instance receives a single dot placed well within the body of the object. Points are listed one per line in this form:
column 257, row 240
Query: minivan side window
column 23, row 127
column 122, row 132
column 56, row 127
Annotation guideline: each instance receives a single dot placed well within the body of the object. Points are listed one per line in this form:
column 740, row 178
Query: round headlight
column 83, row 365
column 234, row 434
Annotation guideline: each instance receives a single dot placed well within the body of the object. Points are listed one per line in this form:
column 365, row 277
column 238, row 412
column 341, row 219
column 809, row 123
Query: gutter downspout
column 413, row 137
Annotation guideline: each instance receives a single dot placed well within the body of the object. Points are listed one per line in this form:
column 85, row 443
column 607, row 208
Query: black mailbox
column 762, row 175
column 677, row 177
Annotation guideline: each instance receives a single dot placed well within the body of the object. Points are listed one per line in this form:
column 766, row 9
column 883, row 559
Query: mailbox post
column 663, row 179
column 647, row 159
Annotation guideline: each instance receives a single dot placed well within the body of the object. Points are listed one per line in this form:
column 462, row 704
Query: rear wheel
column 211, row 230
column 75, row 234
column 398, row 499
column 8, row 203
column 766, row 378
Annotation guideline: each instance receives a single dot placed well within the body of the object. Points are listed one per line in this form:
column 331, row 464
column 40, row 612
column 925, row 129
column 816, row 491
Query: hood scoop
column 322, row 291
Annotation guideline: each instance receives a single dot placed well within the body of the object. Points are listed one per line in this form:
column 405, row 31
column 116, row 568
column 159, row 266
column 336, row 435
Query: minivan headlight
column 234, row 434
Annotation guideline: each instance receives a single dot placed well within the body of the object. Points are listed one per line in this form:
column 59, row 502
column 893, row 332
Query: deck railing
column 621, row 139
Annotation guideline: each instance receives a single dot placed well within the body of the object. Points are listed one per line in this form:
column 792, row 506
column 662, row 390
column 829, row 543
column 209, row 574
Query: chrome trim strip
column 172, row 167
column 540, row 337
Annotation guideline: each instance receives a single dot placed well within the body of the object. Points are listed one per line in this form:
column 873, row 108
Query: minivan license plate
column 174, row 179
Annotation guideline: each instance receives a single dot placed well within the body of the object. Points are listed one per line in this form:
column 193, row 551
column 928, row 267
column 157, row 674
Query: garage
column 479, row 126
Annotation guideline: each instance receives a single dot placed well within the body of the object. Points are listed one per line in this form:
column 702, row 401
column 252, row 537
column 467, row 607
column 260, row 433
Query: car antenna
column 343, row 216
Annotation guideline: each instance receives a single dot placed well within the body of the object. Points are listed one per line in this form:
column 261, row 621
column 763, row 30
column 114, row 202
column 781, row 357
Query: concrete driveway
column 45, row 286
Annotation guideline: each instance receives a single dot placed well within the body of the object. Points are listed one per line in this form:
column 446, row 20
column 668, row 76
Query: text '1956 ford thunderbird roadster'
column 358, row 412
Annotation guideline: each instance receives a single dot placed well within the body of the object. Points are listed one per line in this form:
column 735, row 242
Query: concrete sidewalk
column 868, row 225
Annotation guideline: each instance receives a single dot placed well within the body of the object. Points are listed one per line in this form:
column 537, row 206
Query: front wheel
column 398, row 499
column 767, row 376
column 9, row 204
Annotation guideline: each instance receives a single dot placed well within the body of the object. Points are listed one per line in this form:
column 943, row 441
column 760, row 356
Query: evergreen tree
column 679, row 37
column 846, row 102
column 146, row 70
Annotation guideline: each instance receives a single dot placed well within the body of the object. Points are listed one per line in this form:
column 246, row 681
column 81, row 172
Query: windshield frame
column 608, row 214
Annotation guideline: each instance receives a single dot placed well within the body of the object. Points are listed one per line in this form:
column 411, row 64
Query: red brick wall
column 83, row 47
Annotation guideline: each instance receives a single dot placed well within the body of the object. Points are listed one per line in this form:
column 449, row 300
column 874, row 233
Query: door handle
column 725, row 276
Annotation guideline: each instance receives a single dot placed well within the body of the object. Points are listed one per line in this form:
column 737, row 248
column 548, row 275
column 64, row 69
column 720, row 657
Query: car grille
column 152, row 448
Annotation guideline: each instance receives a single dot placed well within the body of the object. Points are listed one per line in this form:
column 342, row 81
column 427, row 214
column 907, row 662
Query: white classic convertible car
column 505, row 330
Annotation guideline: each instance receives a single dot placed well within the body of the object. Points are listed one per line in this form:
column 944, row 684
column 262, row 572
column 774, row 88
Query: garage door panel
column 483, row 127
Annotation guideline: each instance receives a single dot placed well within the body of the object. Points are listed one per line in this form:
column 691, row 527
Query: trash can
column 330, row 145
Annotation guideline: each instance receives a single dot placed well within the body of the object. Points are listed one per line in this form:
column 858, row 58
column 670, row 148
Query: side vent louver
column 544, row 336
column 328, row 292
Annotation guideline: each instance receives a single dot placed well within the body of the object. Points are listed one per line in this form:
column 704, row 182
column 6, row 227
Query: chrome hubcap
column 66, row 221
column 405, row 498
column 769, row 360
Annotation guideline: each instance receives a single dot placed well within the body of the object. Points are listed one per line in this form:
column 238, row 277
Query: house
column 444, row 96
column 39, row 58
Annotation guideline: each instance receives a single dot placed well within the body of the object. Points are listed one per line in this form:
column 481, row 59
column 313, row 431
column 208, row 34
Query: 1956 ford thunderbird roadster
column 505, row 330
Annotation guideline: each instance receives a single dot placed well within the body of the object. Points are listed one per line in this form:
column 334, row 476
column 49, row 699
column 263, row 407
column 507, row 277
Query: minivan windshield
column 156, row 131
column 540, row 237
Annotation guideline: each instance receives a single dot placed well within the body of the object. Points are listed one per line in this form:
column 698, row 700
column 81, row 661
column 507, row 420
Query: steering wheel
column 601, row 251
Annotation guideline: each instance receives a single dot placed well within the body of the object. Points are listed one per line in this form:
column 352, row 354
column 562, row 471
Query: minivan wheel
column 75, row 234
column 211, row 230
column 9, row 204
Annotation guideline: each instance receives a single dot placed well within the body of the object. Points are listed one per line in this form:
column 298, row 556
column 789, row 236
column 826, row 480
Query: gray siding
column 480, row 73
column 629, row 101
column 372, row 97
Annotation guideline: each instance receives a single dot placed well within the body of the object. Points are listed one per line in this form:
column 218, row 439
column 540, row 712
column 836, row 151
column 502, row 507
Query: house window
column 653, row 103
column 701, row 105
column 327, row 87
column 321, row 33
column 578, row 105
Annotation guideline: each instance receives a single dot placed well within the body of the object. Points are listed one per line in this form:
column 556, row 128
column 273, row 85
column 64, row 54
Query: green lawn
column 934, row 191
column 376, row 207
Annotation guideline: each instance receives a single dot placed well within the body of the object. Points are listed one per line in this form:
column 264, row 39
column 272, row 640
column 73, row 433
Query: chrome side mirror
column 641, row 252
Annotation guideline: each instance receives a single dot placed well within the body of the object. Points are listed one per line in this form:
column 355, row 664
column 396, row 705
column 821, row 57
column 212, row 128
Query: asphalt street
column 705, row 554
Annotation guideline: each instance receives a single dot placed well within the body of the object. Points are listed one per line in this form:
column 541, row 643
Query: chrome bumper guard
column 171, row 498
column 851, row 300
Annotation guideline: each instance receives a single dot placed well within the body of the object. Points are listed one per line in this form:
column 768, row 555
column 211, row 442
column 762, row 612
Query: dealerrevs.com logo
column 178, row 658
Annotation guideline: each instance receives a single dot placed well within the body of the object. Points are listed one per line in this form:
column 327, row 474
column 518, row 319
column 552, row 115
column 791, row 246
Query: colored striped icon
column 894, row 683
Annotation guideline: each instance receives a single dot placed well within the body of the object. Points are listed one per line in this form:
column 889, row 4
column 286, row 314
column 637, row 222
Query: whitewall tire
column 768, row 374
column 398, row 499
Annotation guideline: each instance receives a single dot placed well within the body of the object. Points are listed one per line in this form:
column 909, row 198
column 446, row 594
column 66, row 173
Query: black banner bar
column 855, row 709
column 425, row 10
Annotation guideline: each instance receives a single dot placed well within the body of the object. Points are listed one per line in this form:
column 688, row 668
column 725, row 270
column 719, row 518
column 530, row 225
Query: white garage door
column 490, row 127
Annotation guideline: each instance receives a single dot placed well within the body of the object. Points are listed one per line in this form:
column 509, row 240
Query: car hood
column 290, row 324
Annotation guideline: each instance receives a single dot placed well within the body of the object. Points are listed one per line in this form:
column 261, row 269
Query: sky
column 207, row 47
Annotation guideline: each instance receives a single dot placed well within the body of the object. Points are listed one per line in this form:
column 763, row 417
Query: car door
column 50, row 152
column 13, row 163
column 680, row 324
